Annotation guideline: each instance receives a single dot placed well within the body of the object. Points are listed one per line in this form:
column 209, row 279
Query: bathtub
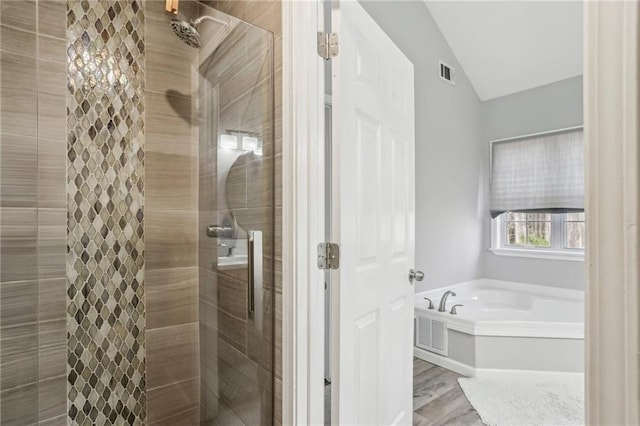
column 502, row 326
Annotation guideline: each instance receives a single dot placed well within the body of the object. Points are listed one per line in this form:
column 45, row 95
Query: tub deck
column 501, row 308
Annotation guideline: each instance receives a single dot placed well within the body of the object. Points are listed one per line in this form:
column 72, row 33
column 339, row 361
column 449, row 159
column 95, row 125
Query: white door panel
column 373, row 220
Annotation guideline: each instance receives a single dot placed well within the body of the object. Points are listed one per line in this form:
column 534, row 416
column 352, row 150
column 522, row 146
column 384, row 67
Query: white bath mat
column 522, row 399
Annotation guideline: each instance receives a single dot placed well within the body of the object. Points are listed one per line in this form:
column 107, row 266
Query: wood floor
column 438, row 399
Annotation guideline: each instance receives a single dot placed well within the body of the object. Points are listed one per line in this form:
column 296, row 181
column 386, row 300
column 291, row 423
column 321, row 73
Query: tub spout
column 443, row 301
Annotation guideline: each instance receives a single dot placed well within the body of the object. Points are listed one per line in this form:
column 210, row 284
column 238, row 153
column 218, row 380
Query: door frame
column 612, row 343
column 302, row 214
column 612, row 162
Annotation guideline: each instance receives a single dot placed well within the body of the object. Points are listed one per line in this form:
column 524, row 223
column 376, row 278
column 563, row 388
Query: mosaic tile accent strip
column 105, row 217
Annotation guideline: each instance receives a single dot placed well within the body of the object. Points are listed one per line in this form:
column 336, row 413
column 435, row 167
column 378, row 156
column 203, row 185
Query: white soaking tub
column 502, row 326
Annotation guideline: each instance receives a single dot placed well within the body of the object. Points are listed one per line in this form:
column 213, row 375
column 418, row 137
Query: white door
column 373, row 220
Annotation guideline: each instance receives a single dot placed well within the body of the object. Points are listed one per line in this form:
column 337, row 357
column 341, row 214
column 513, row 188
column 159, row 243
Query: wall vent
column 447, row 73
column 431, row 335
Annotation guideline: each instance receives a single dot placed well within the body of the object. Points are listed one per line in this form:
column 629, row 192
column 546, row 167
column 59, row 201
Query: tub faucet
column 453, row 309
column 430, row 302
column 443, row 301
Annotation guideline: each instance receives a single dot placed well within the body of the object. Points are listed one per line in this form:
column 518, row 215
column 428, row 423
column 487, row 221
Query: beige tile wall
column 33, row 212
column 171, row 204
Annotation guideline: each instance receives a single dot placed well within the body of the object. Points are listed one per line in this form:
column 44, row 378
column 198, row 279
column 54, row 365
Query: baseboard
column 444, row 362
column 469, row 371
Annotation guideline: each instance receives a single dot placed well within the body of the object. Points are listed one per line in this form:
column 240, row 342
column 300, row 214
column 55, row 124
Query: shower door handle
column 250, row 278
column 254, row 269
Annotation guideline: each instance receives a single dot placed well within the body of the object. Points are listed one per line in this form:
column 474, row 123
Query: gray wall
column 554, row 106
column 449, row 152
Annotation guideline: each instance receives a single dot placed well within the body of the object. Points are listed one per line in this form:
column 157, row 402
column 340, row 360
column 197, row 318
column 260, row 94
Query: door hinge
column 327, row 45
column 328, row 256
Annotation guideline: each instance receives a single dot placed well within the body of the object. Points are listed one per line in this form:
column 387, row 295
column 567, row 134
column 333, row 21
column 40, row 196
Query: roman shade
column 543, row 174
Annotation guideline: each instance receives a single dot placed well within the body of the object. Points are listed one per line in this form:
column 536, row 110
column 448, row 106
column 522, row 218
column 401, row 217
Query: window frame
column 557, row 251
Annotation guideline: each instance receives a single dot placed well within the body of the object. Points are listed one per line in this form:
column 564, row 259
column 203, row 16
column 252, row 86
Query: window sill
column 539, row 254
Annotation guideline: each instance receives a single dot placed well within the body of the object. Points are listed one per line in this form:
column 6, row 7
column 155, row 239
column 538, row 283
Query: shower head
column 187, row 31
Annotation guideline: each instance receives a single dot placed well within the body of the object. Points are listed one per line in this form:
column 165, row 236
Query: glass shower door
column 236, row 225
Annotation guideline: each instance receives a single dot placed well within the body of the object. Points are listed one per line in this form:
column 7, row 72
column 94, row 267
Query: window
column 574, row 231
column 541, row 173
column 537, row 195
column 540, row 230
column 527, row 230
column 547, row 235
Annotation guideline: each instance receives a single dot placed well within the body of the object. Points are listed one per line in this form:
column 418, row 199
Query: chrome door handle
column 415, row 276
column 251, row 277
column 253, row 251
column 254, row 276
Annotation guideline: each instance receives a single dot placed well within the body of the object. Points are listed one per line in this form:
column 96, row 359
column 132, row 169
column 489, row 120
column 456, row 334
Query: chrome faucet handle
column 430, row 302
column 453, row 309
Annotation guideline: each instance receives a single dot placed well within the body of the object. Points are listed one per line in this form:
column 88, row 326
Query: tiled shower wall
column 33, row 212
column 173, row 374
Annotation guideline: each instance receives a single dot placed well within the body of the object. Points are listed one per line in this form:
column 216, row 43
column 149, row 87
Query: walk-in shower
column 137, row 213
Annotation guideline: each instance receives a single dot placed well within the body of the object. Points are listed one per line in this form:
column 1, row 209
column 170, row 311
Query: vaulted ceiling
column 510, row 46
